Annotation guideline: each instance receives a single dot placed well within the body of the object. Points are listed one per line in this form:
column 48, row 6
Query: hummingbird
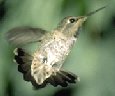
column 45, row 65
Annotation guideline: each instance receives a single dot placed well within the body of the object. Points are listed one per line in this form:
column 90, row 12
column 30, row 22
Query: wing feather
column 23, row 35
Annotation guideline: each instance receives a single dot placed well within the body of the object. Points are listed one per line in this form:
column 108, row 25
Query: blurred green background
column 92, row 58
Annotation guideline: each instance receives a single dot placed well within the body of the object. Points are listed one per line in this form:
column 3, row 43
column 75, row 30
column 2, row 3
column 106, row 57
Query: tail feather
column 57, row 80
column 27, row 76
column 24, row 62
column 70, row 77
column 62, row 78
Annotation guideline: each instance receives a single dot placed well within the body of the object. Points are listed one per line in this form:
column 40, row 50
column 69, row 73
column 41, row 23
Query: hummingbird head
column 70, row 25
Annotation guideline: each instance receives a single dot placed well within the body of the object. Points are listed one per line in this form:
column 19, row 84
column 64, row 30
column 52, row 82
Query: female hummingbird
column 44, row 65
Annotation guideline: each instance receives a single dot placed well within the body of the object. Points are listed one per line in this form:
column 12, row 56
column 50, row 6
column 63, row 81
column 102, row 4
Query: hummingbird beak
column 84, row 18
column 93, row 12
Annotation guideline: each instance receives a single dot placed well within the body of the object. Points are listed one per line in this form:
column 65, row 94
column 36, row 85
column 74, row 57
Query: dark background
column 92, row 58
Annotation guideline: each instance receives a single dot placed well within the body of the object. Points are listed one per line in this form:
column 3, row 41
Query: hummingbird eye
column 72, row 20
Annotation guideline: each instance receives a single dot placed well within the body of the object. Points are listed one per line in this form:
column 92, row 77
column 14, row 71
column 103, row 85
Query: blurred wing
column 24, row 35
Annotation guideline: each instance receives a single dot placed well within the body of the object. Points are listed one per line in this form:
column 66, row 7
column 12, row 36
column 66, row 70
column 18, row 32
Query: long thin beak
column 93, row 12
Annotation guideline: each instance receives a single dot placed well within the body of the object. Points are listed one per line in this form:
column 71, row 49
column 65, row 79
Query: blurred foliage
column 92, row 58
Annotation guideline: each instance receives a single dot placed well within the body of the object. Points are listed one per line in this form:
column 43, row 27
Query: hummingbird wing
column 23, row 35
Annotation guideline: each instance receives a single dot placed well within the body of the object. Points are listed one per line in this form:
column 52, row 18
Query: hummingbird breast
column 55, row 50
column 49, row 58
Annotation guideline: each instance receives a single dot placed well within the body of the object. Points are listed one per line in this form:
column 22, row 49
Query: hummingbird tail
column 62, row 78
column 23, row 60
column 55, row 78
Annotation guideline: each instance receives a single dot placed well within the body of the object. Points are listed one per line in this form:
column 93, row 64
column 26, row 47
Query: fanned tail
column 24, row 61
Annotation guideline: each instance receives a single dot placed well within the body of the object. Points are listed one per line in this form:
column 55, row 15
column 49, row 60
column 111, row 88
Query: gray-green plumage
column 44, row 65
